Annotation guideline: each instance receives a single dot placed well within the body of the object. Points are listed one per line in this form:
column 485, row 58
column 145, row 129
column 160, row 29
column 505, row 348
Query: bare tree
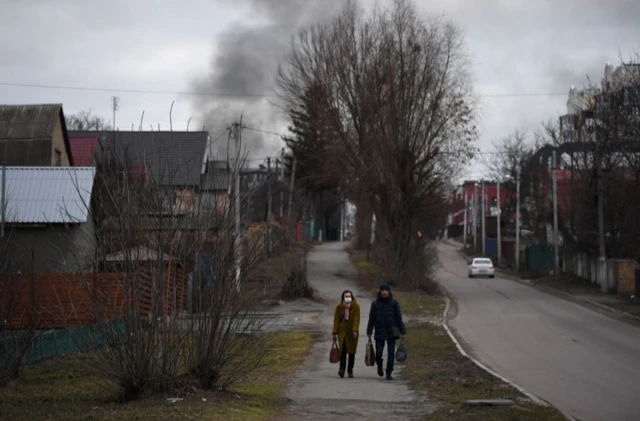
column 85, row 121
column 151, row 233
column 401, row 104
column 17, row 321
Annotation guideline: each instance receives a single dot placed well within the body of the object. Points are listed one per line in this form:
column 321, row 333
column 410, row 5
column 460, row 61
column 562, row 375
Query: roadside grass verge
column 436, row 367
column 57, row 389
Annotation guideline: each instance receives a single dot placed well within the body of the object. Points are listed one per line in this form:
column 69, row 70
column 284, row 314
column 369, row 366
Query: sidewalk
column 316, row 392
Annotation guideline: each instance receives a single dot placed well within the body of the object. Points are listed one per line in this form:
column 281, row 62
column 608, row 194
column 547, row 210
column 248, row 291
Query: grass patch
column 420, row 305
column 436, row 367
column 59, row 390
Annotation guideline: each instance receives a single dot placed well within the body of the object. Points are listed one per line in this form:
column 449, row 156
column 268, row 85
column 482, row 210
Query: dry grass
column 436, row 367
column 62, row 391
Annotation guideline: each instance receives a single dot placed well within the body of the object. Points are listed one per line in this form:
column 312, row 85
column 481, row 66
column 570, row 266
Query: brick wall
column 60, row 300
column 626, row 270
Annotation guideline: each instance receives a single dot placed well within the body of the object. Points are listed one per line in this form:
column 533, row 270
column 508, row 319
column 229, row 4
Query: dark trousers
column 391, row 353
column 343, row 358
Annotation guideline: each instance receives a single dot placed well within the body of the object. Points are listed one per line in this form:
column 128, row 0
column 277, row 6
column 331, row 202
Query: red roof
column 82, row 150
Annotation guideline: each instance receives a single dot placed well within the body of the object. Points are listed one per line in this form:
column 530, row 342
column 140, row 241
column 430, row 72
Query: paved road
column 316, row 391
column 582, row 362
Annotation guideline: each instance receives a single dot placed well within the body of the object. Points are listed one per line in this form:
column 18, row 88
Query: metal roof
column 48, row 194
column 28, row 130
column 173, row 158
column 216, row 180
column 136, row 254
column 28, row 121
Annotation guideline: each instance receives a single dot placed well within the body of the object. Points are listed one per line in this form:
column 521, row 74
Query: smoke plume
column 245, row 63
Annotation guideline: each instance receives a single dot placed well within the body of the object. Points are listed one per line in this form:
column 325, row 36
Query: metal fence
column 49, row 344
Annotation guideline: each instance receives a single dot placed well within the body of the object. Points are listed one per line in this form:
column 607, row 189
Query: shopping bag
column 401, row 353
column 334, row 355
column 370, row 355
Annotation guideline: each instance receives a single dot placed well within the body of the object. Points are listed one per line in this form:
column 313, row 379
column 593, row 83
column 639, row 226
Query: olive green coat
column 345, row 328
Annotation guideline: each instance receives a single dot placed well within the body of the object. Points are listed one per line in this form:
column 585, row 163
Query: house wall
column 57, row 248
column 57, row 144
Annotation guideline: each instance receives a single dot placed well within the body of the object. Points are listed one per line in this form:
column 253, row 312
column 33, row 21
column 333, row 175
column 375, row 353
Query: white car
column 481, row 266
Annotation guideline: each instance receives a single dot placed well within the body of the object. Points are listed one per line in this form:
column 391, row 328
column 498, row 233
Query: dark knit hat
column 385, row 286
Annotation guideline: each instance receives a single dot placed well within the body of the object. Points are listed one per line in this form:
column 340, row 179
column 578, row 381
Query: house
column 173, row 161
column 215, row 186
column 47, row 218
column 34, row 135
column 471, row 189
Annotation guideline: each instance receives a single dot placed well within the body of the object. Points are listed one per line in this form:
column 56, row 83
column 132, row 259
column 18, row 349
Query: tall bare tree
column 402, row 112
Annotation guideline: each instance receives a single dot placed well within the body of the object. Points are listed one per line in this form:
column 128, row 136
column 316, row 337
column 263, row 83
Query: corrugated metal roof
column 136, row 254
column 28, row 121
column 173, row 158
column 82, row 149
column 48, row 194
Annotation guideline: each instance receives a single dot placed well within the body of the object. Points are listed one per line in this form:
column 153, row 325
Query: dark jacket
column 385, row 312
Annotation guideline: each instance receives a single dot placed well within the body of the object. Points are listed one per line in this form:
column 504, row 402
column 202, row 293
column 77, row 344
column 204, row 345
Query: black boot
column 341, row 373
column 389, row 376
column 380, row 372
column 352, row 361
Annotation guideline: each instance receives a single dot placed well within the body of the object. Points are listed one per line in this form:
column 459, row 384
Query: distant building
column 34, row 135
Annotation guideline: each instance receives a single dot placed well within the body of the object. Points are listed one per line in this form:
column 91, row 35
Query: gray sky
column 233, row 46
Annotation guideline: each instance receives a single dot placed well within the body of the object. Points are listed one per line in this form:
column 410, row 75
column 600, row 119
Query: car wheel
column 492, row 276
column 470, row 276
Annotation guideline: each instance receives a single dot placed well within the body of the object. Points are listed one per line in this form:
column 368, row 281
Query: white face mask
column 347, row 299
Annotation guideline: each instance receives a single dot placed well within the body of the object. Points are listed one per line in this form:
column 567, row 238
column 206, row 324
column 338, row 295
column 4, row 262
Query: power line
column 233, row 94
column 136, row 91
column 264, row 131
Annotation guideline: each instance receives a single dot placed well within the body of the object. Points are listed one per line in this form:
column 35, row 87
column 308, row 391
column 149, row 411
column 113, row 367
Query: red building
column 467, row 189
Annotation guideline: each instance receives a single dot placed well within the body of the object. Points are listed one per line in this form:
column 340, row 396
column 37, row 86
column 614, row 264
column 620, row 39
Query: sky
column 176, row 49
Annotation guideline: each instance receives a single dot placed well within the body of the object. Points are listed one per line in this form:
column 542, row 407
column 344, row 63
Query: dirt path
column 316, row 392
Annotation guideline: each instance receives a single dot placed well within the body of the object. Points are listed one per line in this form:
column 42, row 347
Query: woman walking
column 346, row 325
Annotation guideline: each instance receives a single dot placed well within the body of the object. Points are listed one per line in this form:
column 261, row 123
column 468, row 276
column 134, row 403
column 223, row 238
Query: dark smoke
column 246, row 62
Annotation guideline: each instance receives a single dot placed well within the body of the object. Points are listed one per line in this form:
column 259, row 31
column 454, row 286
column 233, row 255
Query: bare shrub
column 17, row 321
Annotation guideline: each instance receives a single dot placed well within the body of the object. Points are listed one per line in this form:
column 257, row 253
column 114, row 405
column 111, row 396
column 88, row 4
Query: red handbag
column 334, row 355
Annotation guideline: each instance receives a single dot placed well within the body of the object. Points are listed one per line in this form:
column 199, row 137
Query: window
column 58, row 157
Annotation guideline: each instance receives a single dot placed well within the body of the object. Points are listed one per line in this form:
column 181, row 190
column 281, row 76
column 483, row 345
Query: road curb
column 516, row 386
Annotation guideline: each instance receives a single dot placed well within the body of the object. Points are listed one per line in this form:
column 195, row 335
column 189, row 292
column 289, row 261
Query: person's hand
column 402, row 336
column 355, row 335
column 369, row 336
column 335, row 337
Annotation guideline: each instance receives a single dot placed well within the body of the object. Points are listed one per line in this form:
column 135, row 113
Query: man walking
column 385, row 316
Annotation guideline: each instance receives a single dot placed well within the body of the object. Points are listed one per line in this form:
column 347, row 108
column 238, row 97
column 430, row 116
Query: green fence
column 52, row 343
column 539, row 257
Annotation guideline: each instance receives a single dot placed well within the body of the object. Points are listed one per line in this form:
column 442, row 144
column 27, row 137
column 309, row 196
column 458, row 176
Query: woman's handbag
column 370, row 355
column 395, row 332
column 334, row 355
column 401, row 353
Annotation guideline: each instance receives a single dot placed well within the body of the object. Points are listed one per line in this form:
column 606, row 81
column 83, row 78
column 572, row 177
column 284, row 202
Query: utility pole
column 3, row 201
column 602, row 253
column 475, row 216
column 556, row 246
column 499, row 220
column 115, row 101
column 282, row 184
column 518, row 219
column 293, row 177
column 269, row 245
column 237, row 133
column 484, row 205
column 464, row 230
column 342, row 224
